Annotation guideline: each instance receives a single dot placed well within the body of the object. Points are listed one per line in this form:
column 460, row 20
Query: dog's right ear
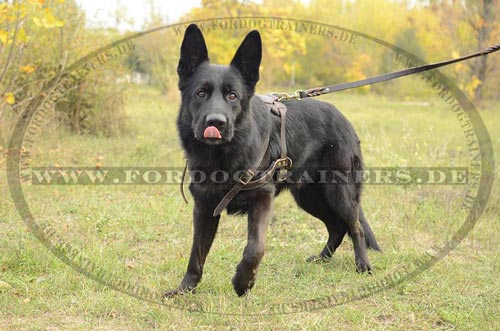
column 193, row 52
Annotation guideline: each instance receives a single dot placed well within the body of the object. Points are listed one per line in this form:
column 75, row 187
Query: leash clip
column 286, row 96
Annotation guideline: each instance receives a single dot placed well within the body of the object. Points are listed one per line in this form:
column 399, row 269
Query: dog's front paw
column 243, row 282
column 241, row 287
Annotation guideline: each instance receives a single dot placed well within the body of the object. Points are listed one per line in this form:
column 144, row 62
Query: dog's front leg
column 258, row 219
column 205, row 227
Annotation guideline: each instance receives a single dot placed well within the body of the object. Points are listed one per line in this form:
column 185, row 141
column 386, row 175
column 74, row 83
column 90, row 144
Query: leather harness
column 246, row 179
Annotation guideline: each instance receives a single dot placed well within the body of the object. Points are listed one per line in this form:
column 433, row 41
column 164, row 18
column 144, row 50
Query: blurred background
column 39, row 38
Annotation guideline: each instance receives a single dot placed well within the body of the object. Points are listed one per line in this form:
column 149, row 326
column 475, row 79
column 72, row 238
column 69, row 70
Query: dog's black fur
column 319, row 137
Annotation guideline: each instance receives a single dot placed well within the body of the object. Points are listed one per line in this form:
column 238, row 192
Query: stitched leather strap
column 245, row 181
column 282, row 164
column 242, row 181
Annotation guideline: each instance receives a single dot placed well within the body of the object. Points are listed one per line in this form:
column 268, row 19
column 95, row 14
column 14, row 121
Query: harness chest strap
column 245, row 181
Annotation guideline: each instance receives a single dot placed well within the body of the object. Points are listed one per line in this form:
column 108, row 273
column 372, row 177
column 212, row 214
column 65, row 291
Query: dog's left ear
column 247, row 58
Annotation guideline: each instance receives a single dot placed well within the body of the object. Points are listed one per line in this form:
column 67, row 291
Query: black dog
column 224, row 127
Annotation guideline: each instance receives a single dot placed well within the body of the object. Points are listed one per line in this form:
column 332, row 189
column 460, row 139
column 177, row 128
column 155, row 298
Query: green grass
column 142, row 234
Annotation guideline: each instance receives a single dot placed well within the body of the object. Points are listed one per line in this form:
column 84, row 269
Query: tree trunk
column 483, row 27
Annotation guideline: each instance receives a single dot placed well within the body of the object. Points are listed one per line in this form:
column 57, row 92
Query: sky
column 101, row 13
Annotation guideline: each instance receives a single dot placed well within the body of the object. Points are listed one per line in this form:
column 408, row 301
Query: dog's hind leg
column 258, row 220
column 357, row 234
column 312, row 200
column 205, row 227
column 336, row 233
column 344, row 200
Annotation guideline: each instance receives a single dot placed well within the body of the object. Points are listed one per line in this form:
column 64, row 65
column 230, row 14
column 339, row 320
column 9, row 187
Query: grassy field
column 142, row 234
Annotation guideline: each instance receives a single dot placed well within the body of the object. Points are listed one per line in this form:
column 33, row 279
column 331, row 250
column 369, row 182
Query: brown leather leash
column 277, row 108
column 317, row 91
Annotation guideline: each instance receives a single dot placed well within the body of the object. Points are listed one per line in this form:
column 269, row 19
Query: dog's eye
column 232, row 96
column 201, row 94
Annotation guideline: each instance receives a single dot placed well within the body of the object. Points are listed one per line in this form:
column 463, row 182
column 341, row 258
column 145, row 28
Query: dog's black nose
column 217, row 120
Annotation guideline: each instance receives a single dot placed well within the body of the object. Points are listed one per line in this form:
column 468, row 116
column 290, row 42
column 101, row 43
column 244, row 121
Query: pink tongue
column 211, row 132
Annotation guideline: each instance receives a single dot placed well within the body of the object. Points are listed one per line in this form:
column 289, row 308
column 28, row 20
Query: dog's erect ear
column 247, row 58
column 193, row 52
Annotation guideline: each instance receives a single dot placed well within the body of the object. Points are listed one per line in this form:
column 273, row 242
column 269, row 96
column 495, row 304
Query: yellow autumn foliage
column 9, row 98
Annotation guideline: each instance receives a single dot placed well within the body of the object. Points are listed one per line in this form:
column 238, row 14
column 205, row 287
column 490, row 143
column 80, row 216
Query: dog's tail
column 369, row 236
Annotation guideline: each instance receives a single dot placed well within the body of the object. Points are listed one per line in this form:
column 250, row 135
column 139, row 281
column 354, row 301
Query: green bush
column 38, row 41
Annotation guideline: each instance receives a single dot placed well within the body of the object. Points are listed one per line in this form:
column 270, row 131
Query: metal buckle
column 245, row 177
column 284, row 163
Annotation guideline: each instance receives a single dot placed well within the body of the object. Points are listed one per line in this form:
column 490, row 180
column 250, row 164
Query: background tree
column 477, row 28
column 483, row 18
